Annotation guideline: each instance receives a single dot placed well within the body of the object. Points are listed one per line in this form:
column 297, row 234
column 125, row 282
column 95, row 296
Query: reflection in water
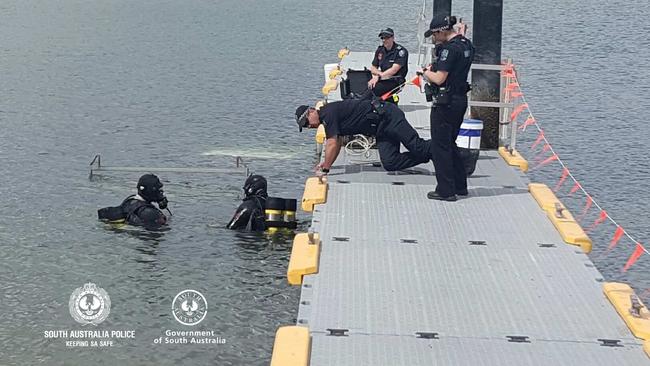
column 141, row 233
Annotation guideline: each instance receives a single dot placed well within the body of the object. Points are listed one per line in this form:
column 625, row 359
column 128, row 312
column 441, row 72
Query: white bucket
column 469, row 136
column 328, row 68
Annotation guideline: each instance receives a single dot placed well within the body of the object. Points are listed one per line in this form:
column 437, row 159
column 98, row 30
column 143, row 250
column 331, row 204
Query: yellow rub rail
column 305, row 253
column 514, row 158
column 630, row 308
column 292, row 346
column 315, row 193
column 570, row 231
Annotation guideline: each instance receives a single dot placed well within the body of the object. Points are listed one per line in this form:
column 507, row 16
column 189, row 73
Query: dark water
column 180, row 83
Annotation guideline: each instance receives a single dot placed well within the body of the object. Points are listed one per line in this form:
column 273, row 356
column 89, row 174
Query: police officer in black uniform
column 448, row 87
column 250, row 214
column 138, row 209
column 374, row 118
column 389, row 66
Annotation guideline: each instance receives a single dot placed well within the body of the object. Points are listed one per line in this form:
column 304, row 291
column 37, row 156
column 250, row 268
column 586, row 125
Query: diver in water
column 138, row 209
column 250, row 214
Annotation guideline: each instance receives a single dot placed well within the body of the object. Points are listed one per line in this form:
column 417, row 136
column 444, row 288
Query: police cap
column 386, row 33
column 440, row 23
column 301, row 116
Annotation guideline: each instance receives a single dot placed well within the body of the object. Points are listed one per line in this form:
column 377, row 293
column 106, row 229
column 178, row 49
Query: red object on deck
column 416, row 81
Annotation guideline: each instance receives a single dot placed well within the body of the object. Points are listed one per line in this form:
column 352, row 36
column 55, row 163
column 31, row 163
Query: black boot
column 433, row 195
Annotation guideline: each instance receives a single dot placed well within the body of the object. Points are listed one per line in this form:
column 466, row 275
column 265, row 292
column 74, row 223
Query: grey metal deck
column 475, row 271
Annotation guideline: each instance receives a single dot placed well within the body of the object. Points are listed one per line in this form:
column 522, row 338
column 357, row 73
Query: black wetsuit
column 140, row 213
column 249, row 215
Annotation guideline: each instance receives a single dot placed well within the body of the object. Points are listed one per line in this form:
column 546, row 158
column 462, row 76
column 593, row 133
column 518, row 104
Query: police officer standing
column 390, row 64
column 362, row 116
column 449, row 87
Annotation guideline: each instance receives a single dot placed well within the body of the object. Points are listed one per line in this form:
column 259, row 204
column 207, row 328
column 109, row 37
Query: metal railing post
column 513, row 124
column 503, row 111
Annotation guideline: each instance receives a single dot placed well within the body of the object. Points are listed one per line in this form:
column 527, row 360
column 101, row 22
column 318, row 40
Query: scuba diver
column 259, row 212
column 252, row 208
column 138, row 209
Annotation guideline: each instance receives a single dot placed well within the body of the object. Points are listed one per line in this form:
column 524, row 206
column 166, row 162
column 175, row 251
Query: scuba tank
column 274, row 212
column 280, row 213
column 290, row 207
column 112, row 214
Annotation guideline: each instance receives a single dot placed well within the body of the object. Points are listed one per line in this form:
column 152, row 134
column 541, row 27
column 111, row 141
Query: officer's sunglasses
column 385, row 37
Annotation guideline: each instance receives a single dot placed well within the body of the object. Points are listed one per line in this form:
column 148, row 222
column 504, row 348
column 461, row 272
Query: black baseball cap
column 386, row 32
column 439, row 23
column 301, row 116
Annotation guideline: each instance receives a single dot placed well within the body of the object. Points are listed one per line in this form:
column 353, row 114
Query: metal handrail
column 97, row 167
column 505, row 104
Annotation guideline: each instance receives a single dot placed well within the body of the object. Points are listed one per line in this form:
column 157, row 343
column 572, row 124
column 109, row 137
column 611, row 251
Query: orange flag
column 416, row 81
column 565, row 174
column 539, row 139
column 617, row 236
column 601, row 218
column 518, row 109
column 634, row 257
column 512, row 86
column 529, row 121
column 588, row 204
column 546, row 161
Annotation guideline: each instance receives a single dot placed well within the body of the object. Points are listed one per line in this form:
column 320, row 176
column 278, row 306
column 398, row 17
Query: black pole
column 486, row 36
column 441, row 7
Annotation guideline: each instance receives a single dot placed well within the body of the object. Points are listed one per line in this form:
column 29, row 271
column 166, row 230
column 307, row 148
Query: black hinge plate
column 610, row 342
column 426, row 335
column 337, row 332
column 518, row 339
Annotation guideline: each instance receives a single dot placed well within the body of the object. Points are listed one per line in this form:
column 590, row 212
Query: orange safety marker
column 529, row 121
column 601, row 218
column 588, row 204
column 638, row 251
column 617, row 236
column 547, row 161
column 539, row 139
column 416, row 81
column 565, row 174
column 518, row 109
column 575, row 188
column 512, row 86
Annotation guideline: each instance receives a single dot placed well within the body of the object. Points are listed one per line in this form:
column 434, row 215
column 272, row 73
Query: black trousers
column 445, row 125
column 384, row 86
column 393, row 130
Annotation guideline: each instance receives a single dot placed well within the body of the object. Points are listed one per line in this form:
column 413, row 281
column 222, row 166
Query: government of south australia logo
column 89, row 304
column 189, row 307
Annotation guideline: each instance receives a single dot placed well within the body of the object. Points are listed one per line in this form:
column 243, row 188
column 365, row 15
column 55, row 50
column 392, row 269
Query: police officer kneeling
column 138, row 209
column 448, row 90
column 383, row 120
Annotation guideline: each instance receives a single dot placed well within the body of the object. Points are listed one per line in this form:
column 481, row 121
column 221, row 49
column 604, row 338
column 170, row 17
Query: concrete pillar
column 486, row 36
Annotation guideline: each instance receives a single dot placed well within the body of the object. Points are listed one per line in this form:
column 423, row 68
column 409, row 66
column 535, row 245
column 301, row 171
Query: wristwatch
column 324, row 170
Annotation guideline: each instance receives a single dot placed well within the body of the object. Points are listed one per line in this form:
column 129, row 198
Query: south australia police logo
column 89, row 304
column 189, row 307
